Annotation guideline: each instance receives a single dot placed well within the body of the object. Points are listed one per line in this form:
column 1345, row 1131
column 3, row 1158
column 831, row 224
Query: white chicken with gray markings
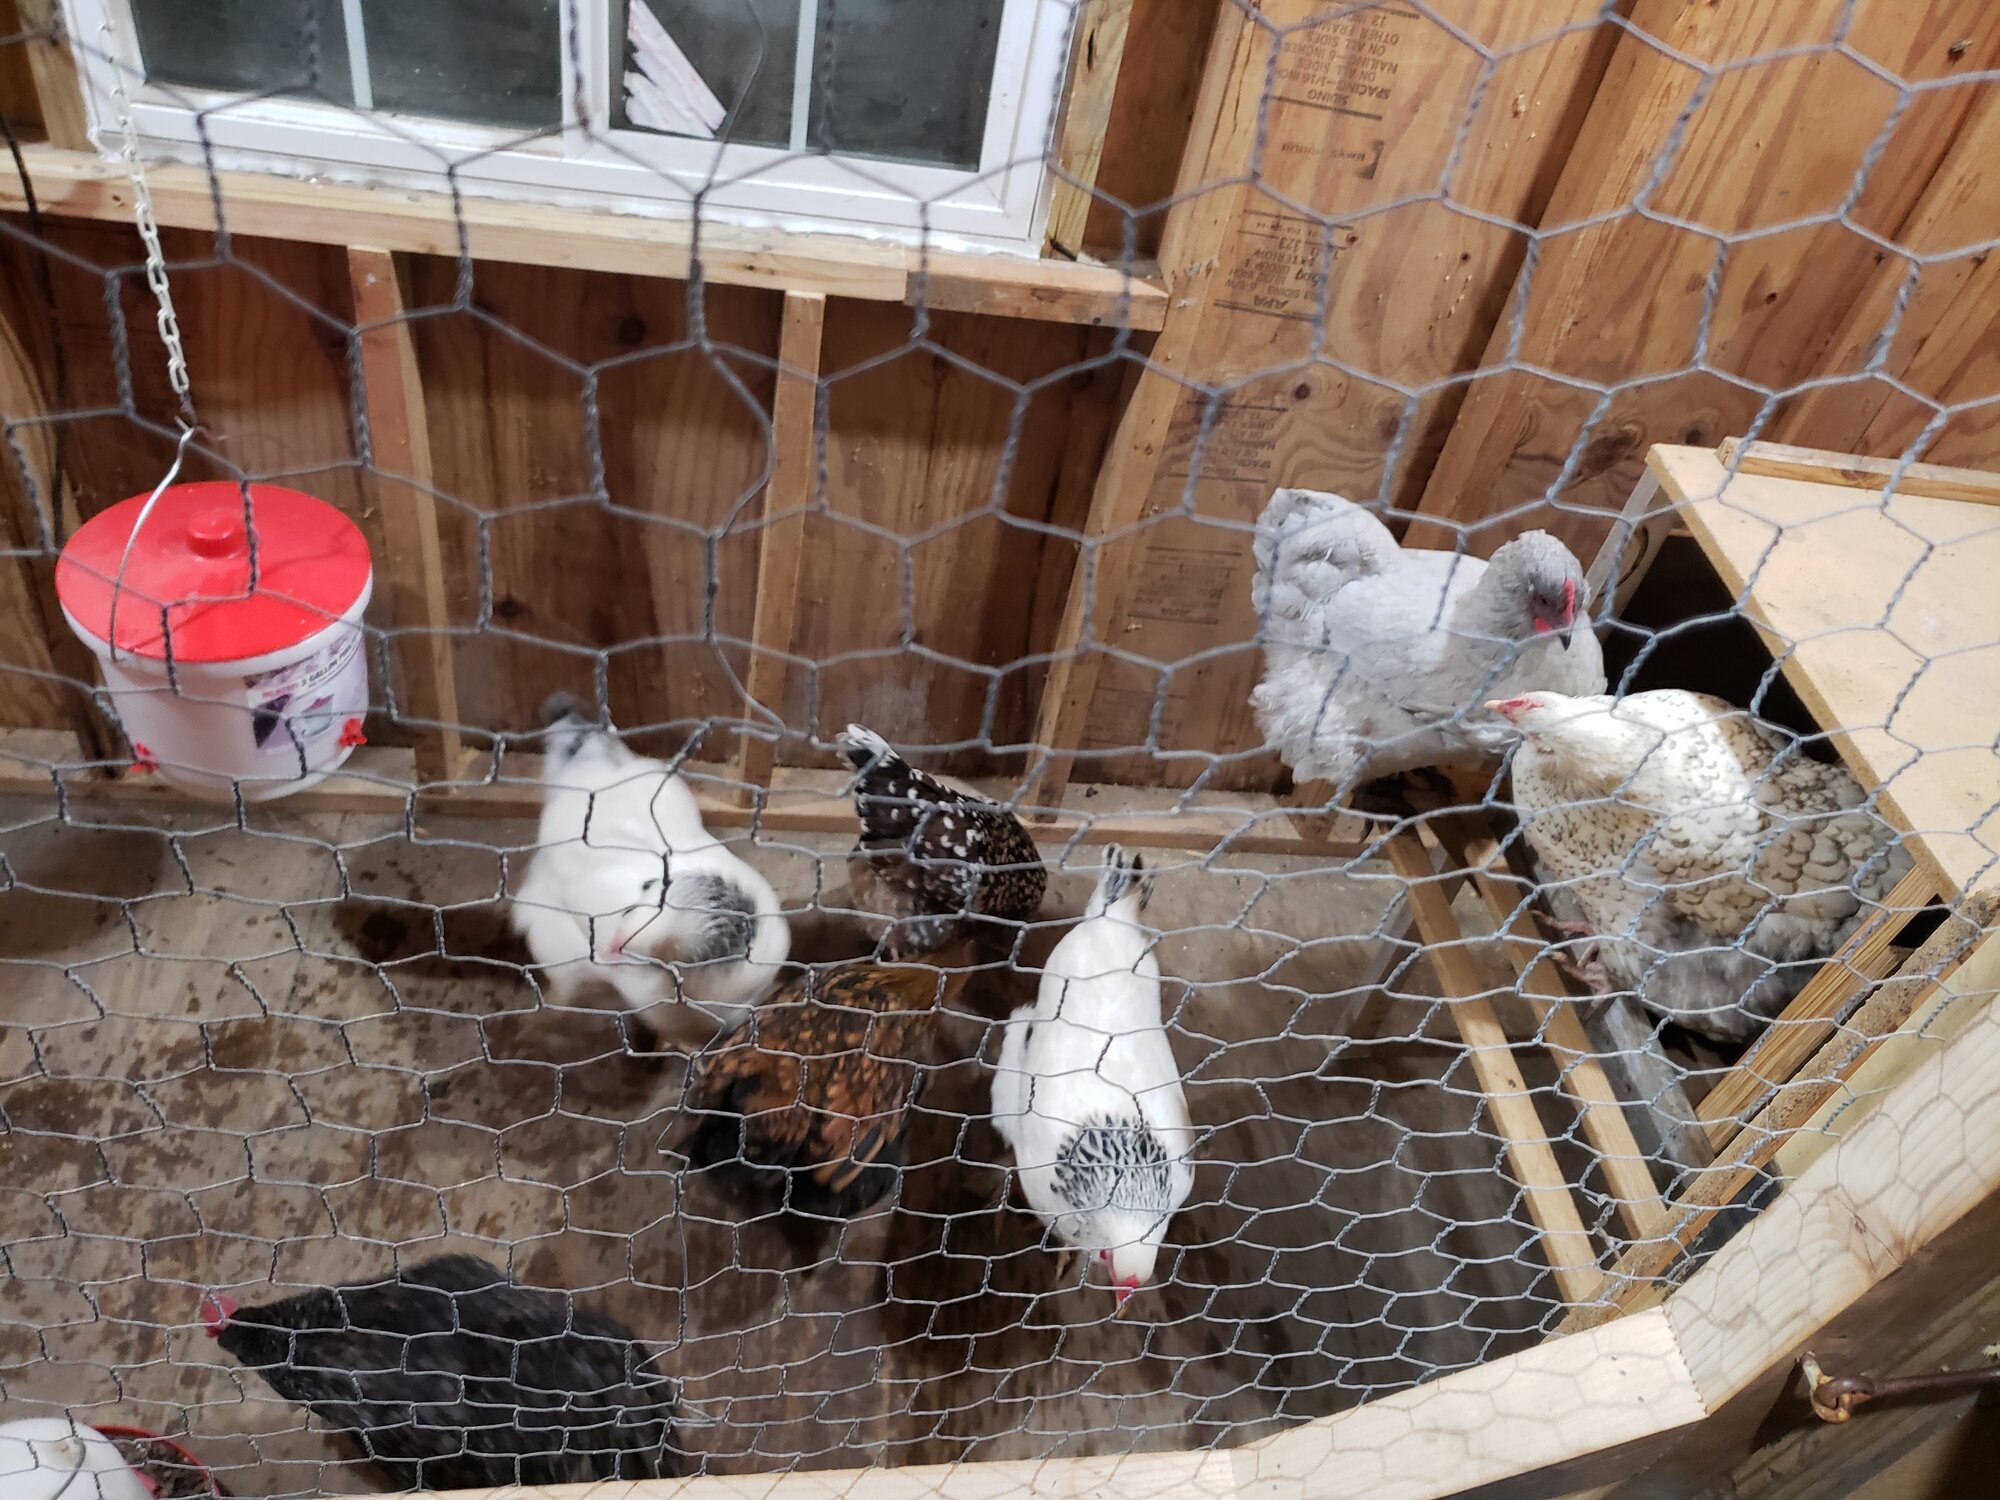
column 1715, row 865
column 1088, row 1096
column 628, row 887
column 1378, row 658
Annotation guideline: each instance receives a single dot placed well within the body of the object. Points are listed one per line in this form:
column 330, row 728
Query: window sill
column 76, row 184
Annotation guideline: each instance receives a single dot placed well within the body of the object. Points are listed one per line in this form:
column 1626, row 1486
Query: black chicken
column 451, row 1377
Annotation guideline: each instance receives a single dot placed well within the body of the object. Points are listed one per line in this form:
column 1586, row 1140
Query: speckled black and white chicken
column 931, row 856
column 1715, row 864
column 1088, row 1095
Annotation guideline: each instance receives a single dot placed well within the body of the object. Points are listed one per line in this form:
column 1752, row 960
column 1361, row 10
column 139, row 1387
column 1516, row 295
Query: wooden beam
column 1581, row 1070
column 1509, row 1105
column 72, row 185
column 1640, row 1269
column 400, row 479
column 1820, row 466
column 1474, row 1428
column 1219, row 147
column 1790, row 1041
column 1095, row 59
column 788, row 493
column 383, row 779
column 54, row 68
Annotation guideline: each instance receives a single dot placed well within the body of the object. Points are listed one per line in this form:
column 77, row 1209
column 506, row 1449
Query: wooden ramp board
column 1882, row 612
column 1511, row 1111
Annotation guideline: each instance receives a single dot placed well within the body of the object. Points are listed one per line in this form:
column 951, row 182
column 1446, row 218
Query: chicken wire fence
column 653, row 1126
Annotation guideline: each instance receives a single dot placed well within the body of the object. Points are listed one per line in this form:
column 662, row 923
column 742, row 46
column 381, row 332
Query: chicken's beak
column 1565, row 633
column 1123, row 1292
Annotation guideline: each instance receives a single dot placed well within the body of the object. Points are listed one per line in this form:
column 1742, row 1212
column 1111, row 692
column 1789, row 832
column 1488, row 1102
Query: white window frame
column 999, row 205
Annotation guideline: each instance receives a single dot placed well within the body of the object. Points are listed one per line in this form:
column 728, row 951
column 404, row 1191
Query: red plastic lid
column 193, row 557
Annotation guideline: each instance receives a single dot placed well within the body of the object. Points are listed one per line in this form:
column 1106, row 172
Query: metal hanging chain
column 149, row 229
column 165, row 319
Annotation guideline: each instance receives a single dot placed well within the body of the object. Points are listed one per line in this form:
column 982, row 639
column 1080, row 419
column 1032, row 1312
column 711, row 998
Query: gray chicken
column 1378, row 660
column 1715, row 867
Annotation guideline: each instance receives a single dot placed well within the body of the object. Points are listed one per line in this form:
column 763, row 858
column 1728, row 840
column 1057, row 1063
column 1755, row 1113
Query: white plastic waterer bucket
column 219, row 685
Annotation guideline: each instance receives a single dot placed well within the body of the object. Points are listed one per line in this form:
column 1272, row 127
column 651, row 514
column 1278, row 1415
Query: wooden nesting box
column 1872, row 584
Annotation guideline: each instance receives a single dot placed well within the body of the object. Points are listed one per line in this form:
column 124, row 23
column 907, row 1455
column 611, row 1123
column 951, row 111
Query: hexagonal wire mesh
column 801, row 1157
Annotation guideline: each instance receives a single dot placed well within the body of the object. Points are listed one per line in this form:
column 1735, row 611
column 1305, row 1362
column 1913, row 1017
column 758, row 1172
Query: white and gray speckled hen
column 1716, row 865
column 1087, row 1092
column 1378, row 659
column 448, row 1376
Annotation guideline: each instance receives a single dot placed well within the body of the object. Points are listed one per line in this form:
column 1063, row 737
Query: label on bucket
column 291, row 706
column 301, row 703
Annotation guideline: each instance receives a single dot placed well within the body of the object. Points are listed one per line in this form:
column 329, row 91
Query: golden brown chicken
column 818, row 1082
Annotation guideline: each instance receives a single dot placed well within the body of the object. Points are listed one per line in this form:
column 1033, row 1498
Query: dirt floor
column 232, row 1057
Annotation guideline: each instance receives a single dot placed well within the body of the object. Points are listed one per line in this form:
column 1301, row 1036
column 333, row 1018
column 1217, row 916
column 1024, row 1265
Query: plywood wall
column 1482, row 258
column 598, row 473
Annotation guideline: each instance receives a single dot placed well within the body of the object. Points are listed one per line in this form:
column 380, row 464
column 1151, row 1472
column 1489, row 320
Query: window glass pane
column 904, row 79
column 492, row 62
column 708, row 68
column 245, row 46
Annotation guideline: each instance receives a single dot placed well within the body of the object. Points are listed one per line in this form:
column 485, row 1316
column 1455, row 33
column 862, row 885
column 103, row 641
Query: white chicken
column 1377, row 659
column 628, row 888
column 1087, row 1094
column 1715, row 865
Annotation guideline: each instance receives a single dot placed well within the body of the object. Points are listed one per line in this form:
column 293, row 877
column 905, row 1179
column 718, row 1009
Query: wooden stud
column 72, row 185
column 1095, row 59
column 781, row 545
column 1224, row 132
column 1798, row 1032
column 56, row 84
column 400, row 479
column 1818, row 466
column 1582, row 1074
column 1509, row 1105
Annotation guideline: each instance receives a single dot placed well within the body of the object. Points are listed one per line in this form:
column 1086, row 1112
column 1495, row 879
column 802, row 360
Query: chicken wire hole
column 1111, row 738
